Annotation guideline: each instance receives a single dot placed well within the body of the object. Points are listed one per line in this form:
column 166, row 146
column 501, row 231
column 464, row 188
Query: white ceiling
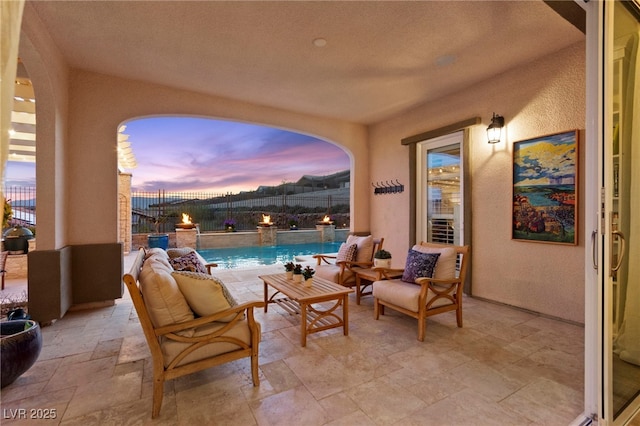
column 380, row 59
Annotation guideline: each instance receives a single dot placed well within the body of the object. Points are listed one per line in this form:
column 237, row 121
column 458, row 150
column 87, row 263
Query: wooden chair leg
column 376, row 308
column 422, row 326
column 158, row 390
column 255, row 375
column 459, row 316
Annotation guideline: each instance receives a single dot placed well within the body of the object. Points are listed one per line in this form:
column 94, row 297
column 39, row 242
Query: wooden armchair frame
column 431, row 292
column 349, row 280
column 155, row 335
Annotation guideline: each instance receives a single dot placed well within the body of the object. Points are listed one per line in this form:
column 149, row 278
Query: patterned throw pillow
column 188, row 262
column 205, row 294
column 347, row 252
column 419, row 265
column 179, row 252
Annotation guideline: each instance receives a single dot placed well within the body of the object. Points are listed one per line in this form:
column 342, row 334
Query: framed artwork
column 545, row 189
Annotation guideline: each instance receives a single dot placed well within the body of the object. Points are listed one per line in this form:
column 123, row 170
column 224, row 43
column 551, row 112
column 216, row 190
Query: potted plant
column 288, row 267
column 382, row 259
column 158, row 239
column 293, row 223
column 297, row 273
column 307, row 273
column 7, row 214
column 229, row 225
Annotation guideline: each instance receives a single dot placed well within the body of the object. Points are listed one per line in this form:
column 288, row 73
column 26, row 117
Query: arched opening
column 224, row 175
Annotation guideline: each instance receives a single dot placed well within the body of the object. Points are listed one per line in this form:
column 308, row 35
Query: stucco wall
column 49, row 75
column 100, row 103
column 79, row 113
column 540, row 98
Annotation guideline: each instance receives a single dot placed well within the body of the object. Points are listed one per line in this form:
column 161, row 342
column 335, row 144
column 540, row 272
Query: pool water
column 242, row 257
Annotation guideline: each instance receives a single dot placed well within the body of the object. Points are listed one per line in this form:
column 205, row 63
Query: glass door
column 440, row 201
column 621, row 331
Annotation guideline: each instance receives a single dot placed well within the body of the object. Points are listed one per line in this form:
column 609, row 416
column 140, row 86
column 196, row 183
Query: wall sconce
column 494, row 131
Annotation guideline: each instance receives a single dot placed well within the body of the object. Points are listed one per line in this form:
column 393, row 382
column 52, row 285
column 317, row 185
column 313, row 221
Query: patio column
column 268, row 235
column 327, row 232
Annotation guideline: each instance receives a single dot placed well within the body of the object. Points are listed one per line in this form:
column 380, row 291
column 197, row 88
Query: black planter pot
column 19, row 348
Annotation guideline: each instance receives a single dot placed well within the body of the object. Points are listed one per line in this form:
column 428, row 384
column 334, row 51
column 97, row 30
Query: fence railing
column 22, row 200
column 209, row 210
column 245, row 210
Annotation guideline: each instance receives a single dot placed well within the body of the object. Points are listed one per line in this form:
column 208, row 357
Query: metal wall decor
column 387, row 187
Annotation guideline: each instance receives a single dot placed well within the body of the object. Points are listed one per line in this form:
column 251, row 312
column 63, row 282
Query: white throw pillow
column 205, row 294
column 365, row 247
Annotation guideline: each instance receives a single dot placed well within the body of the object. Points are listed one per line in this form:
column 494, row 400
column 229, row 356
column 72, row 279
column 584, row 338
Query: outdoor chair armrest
column 388, row 273
column 209, row 266
column 350, row 265
column 441, row 282
column 323, row 257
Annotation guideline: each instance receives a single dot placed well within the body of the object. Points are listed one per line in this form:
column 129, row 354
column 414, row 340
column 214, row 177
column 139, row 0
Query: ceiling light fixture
column 319, row 42
column 494, row 131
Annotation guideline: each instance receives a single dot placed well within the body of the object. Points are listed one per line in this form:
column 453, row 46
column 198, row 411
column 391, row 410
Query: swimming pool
column 241, row 257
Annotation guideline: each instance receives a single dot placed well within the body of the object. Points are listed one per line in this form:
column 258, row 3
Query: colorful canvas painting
column 545, row 183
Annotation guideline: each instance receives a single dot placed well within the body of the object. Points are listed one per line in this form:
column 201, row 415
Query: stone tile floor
column 504, row 367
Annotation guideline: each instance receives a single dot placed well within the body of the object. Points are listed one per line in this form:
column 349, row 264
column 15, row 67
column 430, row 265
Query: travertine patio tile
column 103, row 394
column 465, row 408
column 384, row 402
column 81, row 373
column 504, row 367
column 292, row 407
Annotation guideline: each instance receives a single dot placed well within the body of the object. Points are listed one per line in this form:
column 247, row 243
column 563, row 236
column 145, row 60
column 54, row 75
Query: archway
column 196, row 158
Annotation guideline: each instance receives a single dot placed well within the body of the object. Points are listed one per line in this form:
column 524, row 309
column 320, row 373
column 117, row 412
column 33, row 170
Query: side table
column 365, row 277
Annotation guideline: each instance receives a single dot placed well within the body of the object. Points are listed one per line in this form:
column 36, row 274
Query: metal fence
column 209, row 210
column 22, row 200
column 161, row 211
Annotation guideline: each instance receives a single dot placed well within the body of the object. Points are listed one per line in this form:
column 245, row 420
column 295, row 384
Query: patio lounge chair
column 423, row 296
column 356, row 253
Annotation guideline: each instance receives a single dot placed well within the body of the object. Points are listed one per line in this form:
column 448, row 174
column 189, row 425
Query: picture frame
column 545, row 189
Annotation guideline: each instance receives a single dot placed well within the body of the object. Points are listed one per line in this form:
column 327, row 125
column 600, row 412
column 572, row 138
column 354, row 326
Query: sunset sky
column 194, row 154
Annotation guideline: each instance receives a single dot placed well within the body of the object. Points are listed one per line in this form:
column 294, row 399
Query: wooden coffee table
column 298, row 299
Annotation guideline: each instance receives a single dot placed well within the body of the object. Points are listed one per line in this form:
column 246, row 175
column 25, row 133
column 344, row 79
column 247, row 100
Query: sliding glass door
column 621, row 182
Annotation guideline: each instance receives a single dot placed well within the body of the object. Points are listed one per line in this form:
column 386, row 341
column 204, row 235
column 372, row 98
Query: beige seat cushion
column 205, row 294
column 163, row 299
column 240, row 330
column 446, row 265
column 332, row 273
column 365, row 247
column 403, row 294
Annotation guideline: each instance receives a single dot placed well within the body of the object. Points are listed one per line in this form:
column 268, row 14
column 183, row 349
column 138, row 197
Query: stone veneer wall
column 17, row 265
column 124, row 211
